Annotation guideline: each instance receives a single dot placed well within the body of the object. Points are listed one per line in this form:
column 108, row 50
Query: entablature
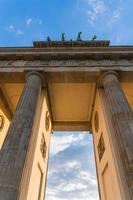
column 71, row 74
column 61, row 59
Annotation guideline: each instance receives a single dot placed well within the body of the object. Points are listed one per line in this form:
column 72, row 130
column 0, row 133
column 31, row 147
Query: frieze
column 65, row 63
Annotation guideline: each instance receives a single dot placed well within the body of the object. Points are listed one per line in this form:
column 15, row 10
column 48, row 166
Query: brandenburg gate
column 65, row 86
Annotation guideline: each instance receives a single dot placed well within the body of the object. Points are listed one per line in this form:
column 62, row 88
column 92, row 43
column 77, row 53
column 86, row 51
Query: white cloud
column 60, row 143
column 100, row 11
column 116, row 14
column 96, row 8
column 88, row 177
column 29, row 21
column 66, row 167
column 71, row 172
column 67, row 187
column 11, row 28
column 19, row 32
column 72, row 164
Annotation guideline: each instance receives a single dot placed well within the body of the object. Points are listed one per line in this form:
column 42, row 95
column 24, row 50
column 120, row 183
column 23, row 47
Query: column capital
column 106, row 74
column 36, row 73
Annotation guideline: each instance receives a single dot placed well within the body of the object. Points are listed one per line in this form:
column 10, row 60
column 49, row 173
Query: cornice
column 76, row 55
column 30, row 49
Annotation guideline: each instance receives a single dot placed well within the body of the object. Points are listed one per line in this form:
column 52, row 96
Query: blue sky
column 71, row 172
column 22, row 21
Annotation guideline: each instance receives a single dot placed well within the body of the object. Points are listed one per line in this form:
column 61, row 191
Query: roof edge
column 82, row 43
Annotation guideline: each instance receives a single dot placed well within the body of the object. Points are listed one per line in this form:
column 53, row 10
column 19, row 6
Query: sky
column 71, row 173
column 23, row 21
column 71, row 164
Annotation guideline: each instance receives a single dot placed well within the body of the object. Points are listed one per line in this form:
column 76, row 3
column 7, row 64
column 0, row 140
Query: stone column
column 13, row 152
column 122, row 119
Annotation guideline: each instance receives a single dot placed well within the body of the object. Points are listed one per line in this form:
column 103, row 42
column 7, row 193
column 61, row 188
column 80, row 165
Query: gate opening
column 71, row 170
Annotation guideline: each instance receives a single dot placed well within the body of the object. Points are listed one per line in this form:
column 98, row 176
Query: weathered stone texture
column 13, row 152
column 122, row 118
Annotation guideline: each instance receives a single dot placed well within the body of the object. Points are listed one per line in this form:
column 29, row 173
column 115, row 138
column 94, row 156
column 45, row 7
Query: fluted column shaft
column 122, row 118
column 13, row 152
